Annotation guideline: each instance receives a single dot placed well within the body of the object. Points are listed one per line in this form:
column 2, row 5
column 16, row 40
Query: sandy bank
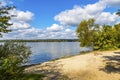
column 93, row 66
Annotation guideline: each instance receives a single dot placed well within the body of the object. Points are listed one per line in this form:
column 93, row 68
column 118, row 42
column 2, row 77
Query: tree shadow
column 52, row 71
column 117, row 52
column 112, row 63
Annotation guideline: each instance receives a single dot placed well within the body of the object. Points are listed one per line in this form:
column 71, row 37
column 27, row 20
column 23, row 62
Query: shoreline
column 81, row 53
column 89, row 66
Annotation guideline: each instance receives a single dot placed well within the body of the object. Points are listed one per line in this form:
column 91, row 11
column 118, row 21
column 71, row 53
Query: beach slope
column 98, row 65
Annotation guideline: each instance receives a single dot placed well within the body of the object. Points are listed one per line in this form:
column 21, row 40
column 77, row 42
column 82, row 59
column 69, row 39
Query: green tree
column 86, row 31
column 4, row 19
column 105, row 38
column 118, row 12
column 101, row 38
column 12, row 56
column 117, row 34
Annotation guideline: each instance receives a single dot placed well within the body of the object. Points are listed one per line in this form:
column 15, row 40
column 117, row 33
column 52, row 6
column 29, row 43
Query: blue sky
column 57, row 19
column 45, row 10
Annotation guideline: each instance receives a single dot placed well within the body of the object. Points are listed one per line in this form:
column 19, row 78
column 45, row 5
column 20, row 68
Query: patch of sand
column 81, row 67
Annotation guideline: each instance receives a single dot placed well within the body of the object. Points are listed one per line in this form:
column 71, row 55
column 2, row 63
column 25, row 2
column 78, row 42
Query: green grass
column 31, row 76
column 85, row 52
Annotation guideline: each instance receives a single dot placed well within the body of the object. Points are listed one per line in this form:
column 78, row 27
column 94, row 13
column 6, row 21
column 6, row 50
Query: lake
column 46, row 51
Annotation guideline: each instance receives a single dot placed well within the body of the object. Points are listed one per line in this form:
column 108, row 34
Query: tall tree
column 4, row 19
column 102, row 38
column 12, row 54
column 105, row 39
column 118, row 12
column 117, row 34
column 86, row 31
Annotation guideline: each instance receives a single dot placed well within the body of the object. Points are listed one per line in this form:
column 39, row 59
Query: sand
column 98, row 65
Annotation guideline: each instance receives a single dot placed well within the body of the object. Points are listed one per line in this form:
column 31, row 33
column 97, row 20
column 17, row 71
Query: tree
column 118, row 12
column 4, row 19
column 12, row 56
column 105, row 38
column 101, row 38
column 86, row 31
column 117, row 34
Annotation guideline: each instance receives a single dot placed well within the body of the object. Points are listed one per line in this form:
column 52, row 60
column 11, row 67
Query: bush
column 12, row 56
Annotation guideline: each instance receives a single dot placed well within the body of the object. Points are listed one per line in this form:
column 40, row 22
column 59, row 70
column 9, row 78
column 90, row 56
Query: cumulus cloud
column 106, row 18
column 19, row 25
column 55, row 27
column 3, row 3
column 23, row 16
column 92, row 9
column 23, row 30
column 29, row 33
column 112, row 2
column 68, row 30
column 21, row 20
column 36, row 33
column 64, row 34
column 74, row 16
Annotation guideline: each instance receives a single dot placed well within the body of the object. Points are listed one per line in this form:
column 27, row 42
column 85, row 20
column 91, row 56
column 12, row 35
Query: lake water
column 45, row 51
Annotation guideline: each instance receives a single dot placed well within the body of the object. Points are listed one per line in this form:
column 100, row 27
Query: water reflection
column 45, row 51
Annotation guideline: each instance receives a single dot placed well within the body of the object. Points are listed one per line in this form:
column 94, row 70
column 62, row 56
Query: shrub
column 12, row 56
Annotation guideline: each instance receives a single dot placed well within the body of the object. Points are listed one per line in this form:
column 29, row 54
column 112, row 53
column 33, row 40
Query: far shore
column 95, row 65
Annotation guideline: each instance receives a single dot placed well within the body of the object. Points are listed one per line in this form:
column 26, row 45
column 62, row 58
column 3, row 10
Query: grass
column 85, row 52
column 31, row 76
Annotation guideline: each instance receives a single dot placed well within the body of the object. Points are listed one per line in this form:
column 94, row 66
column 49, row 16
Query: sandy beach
column 100, row 65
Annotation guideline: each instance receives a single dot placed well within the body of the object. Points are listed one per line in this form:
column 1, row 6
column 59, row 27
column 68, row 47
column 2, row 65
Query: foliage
column 105, row 38
column 101, row 38
column 86, row 31
column 4, row 19
column 118, row 12
column 42, row 40
column 31, row 76
column 117, row 34
column 12, row 56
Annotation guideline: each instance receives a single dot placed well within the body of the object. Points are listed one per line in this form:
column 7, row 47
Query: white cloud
column 92, row 9
column 112, row 2
column 30, row 33
column 71, row 17
column 55, row 27
column 106, row 17
column 31, row 30
column 23, row 16
column 65, row 34
column 21, row 19
column 20, row 25
column 23, row 29
column 34, row 33
column 68, row 30
column 74, row 16
column 77, row 14
column 3, row 3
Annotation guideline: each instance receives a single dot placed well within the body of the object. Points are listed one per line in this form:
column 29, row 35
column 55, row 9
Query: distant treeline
column 42, row 40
